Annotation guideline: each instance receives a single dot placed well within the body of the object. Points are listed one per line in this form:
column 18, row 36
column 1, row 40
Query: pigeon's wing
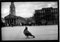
column 27, row 32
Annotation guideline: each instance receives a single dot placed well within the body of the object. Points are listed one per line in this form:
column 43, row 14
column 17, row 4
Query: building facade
column 12, row 19
column 46, row 16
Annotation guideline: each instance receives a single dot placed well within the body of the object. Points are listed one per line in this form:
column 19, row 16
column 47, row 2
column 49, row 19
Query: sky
column 25, row 9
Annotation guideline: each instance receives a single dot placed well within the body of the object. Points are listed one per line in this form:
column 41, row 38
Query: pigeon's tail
column 33, row 36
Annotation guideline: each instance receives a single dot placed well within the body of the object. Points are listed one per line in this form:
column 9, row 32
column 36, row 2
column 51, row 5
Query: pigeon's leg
column 27, row 37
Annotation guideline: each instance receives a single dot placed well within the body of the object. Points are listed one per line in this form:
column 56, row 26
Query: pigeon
column 27, row 33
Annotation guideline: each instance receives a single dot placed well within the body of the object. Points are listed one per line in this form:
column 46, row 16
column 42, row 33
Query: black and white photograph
column 29, row 20
column 59, row 20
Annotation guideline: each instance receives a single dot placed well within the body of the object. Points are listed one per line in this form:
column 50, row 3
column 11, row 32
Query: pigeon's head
column 26, row 28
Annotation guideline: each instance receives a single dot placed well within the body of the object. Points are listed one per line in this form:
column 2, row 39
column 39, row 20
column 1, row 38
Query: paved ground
column 40, row 32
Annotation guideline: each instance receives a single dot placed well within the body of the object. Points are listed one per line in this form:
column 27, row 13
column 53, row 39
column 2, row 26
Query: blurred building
column 12, row 19
column 2, row 22
column 46, row 16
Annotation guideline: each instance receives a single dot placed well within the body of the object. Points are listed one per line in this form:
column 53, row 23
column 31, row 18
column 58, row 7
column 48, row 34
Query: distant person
column 27, row 33
column 11, row 25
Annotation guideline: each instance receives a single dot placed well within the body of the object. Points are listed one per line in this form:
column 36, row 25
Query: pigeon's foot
column 27, row 37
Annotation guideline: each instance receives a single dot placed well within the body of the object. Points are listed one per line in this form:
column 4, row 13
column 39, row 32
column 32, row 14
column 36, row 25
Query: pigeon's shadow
column 29, row 38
